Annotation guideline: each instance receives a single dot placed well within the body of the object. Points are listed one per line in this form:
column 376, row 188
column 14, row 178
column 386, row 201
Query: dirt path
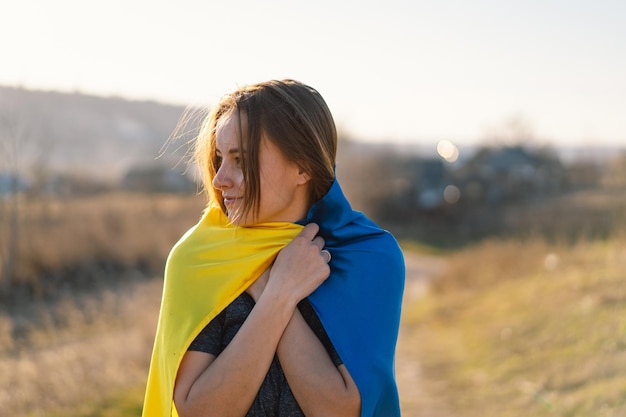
column 415, row 399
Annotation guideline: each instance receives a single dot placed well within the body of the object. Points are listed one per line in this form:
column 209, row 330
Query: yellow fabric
column 210, row 266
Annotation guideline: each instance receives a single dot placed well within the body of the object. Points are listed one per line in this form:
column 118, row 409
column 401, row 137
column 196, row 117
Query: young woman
column 282, row 300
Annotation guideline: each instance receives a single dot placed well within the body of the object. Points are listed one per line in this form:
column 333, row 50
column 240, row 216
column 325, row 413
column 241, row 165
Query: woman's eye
column 238, row 160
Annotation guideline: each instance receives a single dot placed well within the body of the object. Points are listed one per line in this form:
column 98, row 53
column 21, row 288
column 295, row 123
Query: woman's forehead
column 228, row 131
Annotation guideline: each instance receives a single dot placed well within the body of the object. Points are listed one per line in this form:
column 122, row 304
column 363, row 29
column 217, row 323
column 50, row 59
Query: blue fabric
column 360, row 303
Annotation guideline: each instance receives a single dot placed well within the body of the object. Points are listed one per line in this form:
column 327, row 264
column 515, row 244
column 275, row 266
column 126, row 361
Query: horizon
column 401, row 72
column 422, row 147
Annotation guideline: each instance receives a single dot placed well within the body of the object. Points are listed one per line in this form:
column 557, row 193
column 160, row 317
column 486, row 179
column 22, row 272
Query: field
column 504, row 327
column 77, row 326
column 86, row 242
column 518, row 328
column 69, row 359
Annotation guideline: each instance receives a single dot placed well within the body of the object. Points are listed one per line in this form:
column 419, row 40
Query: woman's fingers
column 319, row 242
column 310, row 233
column 301, row 266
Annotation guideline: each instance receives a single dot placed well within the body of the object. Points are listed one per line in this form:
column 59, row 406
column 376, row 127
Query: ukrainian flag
column 358, row 305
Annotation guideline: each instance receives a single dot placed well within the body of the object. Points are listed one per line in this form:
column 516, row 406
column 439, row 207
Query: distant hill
column 104, row 138
column 80, row 134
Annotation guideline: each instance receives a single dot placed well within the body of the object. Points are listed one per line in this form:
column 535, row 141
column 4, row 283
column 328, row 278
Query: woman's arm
column 320, row 387
column 226, row 385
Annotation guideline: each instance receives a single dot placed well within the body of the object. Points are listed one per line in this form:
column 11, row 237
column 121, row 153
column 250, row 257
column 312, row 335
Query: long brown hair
column 289, row 113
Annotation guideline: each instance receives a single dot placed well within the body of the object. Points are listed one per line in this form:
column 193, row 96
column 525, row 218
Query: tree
column 12, row 130
column 514, row 131
column 24, row 157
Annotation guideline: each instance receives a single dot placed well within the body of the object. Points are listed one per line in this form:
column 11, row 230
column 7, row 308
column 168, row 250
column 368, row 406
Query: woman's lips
column 230, row 200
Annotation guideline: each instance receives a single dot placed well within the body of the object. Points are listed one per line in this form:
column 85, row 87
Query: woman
column 282, row 300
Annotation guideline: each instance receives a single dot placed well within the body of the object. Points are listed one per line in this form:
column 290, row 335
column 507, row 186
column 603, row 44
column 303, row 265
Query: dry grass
column 588, row 213
column 68, row 358
column 69, row 243
column 518, row 328
column 78, row 325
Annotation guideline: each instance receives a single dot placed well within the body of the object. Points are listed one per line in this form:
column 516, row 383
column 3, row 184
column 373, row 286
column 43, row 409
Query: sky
column 402, row 71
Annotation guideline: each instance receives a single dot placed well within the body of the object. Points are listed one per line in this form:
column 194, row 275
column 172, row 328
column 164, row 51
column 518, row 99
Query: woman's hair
column 292, row 115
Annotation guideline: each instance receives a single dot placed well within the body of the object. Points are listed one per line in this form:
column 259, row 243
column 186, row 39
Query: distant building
column 11, row 183
column 429, row 183
column 424, row 188
column 513, row 173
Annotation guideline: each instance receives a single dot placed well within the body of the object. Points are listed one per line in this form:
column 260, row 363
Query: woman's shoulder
column 370, row 234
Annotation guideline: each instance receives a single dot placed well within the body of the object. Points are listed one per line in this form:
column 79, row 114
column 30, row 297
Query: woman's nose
column 222, row 178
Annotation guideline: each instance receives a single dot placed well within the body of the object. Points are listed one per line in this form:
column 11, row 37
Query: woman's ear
column 303, row 176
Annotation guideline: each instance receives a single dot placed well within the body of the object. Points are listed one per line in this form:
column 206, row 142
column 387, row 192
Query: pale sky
column 405, row 71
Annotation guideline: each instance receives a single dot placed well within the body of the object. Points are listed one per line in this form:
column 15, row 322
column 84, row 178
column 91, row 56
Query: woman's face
column 283, row 184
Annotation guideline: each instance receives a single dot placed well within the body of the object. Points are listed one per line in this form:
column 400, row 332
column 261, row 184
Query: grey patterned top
column 274, row 398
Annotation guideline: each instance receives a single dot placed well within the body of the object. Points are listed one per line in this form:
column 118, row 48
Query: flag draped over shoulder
column 358, row 305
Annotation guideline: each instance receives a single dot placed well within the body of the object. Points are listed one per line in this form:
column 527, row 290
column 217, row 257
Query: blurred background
column 488, row 136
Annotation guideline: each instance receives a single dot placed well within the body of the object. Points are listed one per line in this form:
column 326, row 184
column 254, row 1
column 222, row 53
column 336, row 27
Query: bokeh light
column 451, row 194
column 448, row 150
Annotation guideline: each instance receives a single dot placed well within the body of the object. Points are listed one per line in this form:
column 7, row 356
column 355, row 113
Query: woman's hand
column 300, row 267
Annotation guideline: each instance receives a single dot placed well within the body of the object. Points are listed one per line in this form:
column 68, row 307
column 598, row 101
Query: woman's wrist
column 279, row 297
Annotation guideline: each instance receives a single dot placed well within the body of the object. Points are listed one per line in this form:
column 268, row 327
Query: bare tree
column 12, row 131
column 26, row 148
column 513, row 131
